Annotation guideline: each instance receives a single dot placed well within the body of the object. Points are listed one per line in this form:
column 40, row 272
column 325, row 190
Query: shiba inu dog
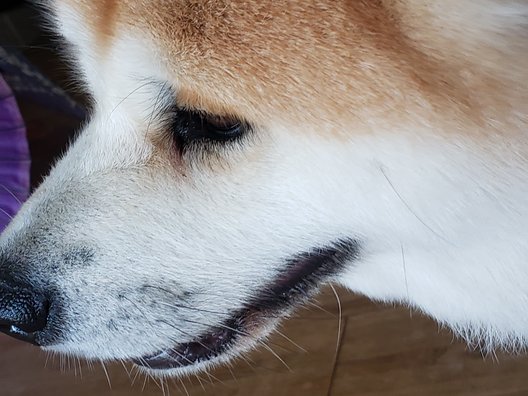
column 240, row 154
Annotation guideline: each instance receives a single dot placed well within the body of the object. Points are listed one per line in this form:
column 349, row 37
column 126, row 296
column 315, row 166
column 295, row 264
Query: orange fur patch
column 332, row 63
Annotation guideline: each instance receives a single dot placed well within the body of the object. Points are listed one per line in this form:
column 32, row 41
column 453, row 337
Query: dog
column 241, row 154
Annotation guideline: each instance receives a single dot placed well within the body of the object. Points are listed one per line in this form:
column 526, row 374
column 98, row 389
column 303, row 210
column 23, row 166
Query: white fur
column 442, row 220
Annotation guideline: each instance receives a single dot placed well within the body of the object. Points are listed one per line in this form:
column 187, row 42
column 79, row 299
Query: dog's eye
column 191, row 126
column 224, row 125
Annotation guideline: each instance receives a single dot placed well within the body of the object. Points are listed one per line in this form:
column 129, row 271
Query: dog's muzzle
column 23, row 311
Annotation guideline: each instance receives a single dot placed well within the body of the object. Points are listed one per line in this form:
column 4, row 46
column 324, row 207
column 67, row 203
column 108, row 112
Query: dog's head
column 236, row 158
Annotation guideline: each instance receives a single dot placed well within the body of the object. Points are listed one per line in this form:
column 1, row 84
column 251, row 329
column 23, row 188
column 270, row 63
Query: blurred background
column 368, row 349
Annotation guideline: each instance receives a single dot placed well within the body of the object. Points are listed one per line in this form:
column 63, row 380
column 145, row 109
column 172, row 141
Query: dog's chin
column 302, row 276
column 220, row 345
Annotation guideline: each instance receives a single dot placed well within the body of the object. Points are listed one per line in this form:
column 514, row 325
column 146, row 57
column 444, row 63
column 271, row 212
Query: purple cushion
column 14, row 156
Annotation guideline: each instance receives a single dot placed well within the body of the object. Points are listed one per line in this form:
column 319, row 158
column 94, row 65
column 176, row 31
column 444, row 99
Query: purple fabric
column 29, row 83
column 14, row 156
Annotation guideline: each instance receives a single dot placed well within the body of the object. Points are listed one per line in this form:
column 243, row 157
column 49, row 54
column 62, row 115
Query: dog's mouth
column 206, row 347
column 302, row 276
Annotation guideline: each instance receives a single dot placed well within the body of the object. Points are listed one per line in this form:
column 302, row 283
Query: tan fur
column 101, row 16
column 333, row 63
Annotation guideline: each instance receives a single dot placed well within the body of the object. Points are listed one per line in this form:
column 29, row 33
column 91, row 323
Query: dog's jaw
column 436, row 199
column 298, row 280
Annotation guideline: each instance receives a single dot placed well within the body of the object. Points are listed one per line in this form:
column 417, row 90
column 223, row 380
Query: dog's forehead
column 303, row 61
column 324, row 63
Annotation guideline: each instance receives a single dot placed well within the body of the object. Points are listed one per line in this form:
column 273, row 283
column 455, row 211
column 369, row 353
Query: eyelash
column 190, row 127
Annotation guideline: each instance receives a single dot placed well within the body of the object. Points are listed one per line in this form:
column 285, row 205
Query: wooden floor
column 382, row 351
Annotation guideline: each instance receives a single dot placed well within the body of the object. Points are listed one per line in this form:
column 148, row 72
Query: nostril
column 23, row 311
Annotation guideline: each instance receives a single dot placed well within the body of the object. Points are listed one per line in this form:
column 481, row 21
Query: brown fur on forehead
column 300, row 60
column 101, row 18
column 316, row 61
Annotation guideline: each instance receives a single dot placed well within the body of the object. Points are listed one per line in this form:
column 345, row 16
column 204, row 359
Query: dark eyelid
column 190, row 126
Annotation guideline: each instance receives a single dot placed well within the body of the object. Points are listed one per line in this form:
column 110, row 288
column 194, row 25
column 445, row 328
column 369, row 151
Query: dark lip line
column 302, row 276
column 305, row 272
column 182, row 356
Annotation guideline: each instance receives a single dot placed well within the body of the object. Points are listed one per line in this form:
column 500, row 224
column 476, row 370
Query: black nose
column 23, row 312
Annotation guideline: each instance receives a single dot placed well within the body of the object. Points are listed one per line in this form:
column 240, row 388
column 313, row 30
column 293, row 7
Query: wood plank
column 385, row 351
